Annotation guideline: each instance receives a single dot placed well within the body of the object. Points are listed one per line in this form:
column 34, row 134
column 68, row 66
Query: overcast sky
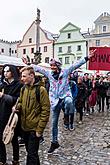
column 17, row 15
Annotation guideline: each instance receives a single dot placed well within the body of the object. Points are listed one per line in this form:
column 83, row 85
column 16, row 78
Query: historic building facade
column 71, row 45
column 100, row 35
column 27, row 47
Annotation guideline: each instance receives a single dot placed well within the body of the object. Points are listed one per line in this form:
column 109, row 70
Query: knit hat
column 55, row 62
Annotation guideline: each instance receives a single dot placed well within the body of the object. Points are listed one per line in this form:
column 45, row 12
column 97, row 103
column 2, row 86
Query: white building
column 27, row 47
column 8, row 48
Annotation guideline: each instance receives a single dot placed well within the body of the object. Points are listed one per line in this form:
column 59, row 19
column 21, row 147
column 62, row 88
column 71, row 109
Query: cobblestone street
column 88, row 144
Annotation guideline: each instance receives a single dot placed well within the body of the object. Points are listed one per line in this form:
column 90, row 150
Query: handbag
column 93, row 98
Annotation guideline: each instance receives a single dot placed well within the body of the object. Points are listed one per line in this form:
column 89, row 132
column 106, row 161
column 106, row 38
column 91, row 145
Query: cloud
column 17, row 16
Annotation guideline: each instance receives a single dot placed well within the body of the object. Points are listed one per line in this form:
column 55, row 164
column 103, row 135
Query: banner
column 101, row 60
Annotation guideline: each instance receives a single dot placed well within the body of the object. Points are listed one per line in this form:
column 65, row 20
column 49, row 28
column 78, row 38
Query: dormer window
column 104, row 28
column 69, row 35
column 30, row 40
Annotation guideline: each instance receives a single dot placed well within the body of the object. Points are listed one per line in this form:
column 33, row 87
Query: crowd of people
column 63, row 90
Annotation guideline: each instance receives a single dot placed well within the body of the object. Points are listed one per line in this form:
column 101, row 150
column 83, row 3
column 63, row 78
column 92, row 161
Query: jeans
column 68, row 105
column 68, row 102
column 32, row 146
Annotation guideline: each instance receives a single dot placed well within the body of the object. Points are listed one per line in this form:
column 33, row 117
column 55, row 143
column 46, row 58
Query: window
column 9, row 50
column 60, row 59
column 32, row 50
column 69, row 35
column 78, row 57
column 79, row 48
column 15, row 51
column 66, row 60
column 97, row 42
column 69, row 49
column 30, row 40
column 24, row 51
column 60, row 49
column 2, row 50
column 12, row 51
column 104, row 29
column 46, row 59
column 45, row 48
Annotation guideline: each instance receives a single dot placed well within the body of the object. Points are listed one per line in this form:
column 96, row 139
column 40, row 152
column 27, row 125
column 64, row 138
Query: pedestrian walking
column 82, row 94
column 34, row 106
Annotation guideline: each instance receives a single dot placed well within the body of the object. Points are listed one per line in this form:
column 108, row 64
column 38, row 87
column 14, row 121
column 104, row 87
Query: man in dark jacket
column 34, row 113
column 9, row 92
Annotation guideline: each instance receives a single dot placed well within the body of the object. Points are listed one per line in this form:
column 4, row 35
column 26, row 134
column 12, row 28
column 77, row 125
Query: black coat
column 11, row 93
column 82, row 93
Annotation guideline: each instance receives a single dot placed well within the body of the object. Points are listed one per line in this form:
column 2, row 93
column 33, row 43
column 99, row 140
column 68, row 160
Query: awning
column 11, row 60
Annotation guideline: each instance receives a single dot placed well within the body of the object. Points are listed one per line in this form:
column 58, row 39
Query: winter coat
column 82, row 93
column 11, row 93
column 101, row 89
column 59, row 89
column 34, row 114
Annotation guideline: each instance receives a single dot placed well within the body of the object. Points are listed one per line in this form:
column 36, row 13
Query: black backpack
column 37, row 92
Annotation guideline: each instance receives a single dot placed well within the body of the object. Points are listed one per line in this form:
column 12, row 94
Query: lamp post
column 37, row 54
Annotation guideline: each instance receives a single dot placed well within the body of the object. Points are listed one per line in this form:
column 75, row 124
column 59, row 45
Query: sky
column 16, row 16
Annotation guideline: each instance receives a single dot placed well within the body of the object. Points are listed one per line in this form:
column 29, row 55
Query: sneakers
column 53, row 147
column 21, row 142
column 41, row 141
column 71, row 127
column 66, row 126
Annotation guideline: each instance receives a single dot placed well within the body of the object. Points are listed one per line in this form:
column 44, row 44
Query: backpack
column 37, row 92
column 74, row 88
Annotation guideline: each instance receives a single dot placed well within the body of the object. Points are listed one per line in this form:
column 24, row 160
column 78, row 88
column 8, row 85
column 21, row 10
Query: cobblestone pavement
column 88, row 144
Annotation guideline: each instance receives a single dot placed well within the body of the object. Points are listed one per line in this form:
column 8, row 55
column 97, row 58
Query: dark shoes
column 71, row 127
column 53, row 147
column 66, row 126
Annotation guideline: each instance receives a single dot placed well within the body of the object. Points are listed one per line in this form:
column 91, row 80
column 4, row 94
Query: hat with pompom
column 55, row 62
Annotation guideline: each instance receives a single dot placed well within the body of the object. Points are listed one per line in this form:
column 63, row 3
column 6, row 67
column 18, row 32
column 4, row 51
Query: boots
column 53, row 147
